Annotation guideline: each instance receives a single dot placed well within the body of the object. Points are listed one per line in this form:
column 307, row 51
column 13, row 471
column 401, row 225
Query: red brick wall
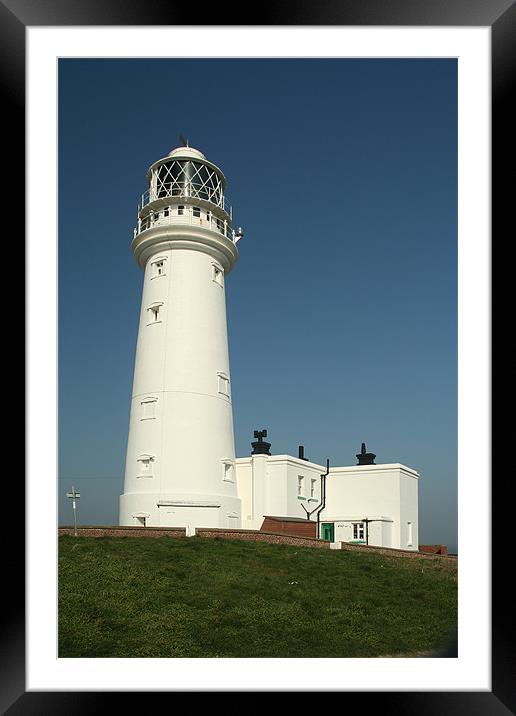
column 254, row 536
column 124, row 531
column 434, row 548
column 392, row 551
column 300, row 529
column 250, row 535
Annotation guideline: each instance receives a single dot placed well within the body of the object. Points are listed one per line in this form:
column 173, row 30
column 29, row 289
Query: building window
column 180, row 210
column 223, row 386
column 166, row 211
column 158, row 268
column 409, row 535
column 148, row 408
column 145, row 465
column 312, row 487
column 208, row 215
column 154, row 313
column 218, row 275
column 156, row 216
column 300, row 485
column 196, row 211
column 358, row 530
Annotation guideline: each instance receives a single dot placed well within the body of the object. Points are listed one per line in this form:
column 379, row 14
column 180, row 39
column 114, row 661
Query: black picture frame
column 500, row 16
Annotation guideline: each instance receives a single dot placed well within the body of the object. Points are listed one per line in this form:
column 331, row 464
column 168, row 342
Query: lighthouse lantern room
column 180, row 463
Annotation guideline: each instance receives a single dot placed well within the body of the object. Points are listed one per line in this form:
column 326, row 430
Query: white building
column 364, row 503
column 180, row 465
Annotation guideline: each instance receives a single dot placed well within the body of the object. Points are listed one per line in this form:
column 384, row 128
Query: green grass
column 195, row 597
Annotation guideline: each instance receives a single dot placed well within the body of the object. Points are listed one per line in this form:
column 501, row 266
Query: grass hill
column 195, row 597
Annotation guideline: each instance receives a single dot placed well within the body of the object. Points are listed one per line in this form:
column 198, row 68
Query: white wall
column 409, row 511
column 386, row 494
column 181, row 363
column 268, row 485
column 244, row 479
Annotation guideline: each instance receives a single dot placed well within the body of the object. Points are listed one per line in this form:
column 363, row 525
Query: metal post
column 74, row 495
column 74, row 505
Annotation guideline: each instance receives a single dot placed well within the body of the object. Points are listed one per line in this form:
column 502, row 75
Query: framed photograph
column 40, row 45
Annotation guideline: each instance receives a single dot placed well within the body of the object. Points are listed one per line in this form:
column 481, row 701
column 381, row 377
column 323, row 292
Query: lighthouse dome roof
column 186, row 153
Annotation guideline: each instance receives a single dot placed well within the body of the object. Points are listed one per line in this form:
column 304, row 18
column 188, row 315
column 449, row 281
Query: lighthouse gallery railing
column 187, row 217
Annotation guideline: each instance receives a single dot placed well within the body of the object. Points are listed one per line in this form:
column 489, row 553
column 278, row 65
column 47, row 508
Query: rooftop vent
column 365, row 458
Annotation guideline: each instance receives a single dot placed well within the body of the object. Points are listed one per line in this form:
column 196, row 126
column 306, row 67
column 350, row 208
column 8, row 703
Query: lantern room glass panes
column 187, row 178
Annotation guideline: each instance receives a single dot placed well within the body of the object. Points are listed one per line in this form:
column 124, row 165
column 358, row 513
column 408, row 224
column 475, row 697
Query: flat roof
column 376, row 467
column 287, row 519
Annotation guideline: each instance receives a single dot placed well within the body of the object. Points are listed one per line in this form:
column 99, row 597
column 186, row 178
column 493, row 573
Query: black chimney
column 301, row 454
column 365, row 458
column 260, row 447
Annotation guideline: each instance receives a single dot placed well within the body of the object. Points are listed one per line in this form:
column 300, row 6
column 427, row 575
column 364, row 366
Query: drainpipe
column 323, row 496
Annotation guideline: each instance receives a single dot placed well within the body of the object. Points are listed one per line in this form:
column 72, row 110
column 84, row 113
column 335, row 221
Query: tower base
column 155, row 510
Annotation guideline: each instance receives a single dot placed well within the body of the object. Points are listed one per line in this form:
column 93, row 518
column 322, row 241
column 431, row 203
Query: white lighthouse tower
column 180, row 464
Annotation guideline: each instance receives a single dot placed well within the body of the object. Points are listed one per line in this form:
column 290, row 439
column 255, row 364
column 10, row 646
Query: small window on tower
column 218, row 275
column 145, row 465
column 158, row 267
column 166, row 211
column 154, row 313
column 208, row 215
column 223, row 384
column 228, row 470
column 196, row 211
column 180, row 210
column 149, row 408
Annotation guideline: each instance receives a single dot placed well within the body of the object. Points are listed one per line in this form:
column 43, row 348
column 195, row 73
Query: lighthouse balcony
column 178, row 215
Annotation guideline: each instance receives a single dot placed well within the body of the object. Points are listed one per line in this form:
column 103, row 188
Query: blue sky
column 342, row 307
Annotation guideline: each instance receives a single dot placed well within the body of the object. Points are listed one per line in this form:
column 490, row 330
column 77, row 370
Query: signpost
column 74, row 495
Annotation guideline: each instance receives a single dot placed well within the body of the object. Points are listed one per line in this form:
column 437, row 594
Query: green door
column 327, row 531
